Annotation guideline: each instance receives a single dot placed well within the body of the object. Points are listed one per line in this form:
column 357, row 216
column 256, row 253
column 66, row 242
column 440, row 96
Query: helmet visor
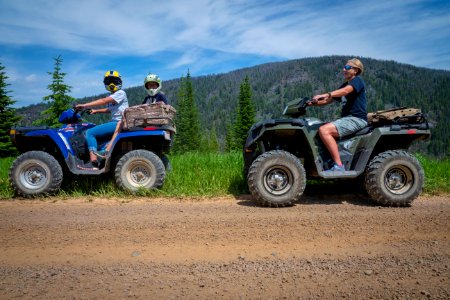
column 152, row 85
column 114, row 80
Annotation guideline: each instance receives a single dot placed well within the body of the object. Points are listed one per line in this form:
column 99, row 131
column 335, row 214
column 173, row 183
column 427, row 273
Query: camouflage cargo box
column 148, row 114
column 396, row 116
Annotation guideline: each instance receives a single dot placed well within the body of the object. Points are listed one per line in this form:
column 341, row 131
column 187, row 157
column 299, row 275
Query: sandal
column 101, row 154
column 93, row 166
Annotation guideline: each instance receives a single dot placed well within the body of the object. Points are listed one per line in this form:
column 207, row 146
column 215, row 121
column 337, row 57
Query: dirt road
column 325, row 247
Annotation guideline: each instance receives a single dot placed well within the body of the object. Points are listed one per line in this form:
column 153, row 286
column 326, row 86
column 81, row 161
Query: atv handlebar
column 314, row 101
column 82, row 111
column 297, row 107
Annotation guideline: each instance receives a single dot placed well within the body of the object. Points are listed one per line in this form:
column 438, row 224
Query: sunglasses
column 347, row 67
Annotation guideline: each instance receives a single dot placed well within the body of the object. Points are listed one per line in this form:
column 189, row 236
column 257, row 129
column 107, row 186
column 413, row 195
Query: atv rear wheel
column 276, row 178
column 394, row 178
column 35, row 173
column 140, row 169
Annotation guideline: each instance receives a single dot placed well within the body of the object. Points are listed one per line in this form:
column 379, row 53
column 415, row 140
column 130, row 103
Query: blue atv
column 137, row 155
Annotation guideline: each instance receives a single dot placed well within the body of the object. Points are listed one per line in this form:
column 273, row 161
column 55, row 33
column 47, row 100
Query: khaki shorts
column 348, row 125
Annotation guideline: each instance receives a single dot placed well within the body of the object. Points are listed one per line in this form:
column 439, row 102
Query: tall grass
column 437, row 174
column 5, row 189
column 207, row 174
column 202, row 174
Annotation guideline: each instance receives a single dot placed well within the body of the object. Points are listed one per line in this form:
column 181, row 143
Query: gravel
column 322, row 248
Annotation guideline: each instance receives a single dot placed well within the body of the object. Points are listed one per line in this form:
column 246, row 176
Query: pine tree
column 229, row 139
column 245, row 114
column 8, row 117
column 213, row 143
column 59, row 101
column 188, row 136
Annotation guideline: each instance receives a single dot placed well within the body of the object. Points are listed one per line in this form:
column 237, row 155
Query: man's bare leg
column 328, row 133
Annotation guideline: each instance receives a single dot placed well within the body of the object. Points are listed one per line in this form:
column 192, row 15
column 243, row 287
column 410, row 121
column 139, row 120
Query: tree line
column 190, row 137
column 216, row 97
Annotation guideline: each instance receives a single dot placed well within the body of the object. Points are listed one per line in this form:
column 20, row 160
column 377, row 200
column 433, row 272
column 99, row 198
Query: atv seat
column 363, row 131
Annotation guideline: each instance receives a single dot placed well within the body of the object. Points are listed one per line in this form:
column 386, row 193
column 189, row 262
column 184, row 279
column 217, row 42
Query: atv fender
column 23, row 135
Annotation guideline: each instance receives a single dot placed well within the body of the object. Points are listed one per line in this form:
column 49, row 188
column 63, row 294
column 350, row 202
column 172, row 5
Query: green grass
column 209, row 174
column 202, row 174
column 5, row 189
column 193, row 174
column 437, row 174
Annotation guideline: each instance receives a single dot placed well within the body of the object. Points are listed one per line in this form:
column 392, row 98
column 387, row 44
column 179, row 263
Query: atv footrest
column 77, row 166
column 338, row 174
column 88, row 172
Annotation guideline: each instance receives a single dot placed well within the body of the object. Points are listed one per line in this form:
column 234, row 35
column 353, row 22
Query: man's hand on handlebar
column 315, row 100
column 320, row 97
column 312, row 102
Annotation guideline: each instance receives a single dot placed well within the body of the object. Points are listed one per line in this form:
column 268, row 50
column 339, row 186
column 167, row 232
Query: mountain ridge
column 388, row 84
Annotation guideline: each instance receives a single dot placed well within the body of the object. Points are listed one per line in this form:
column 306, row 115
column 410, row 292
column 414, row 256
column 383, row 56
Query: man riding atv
column 352, row 94
column 280, row 155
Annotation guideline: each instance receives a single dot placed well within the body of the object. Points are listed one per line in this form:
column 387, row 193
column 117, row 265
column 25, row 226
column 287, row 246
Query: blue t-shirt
column 355, row 103
column 153, row 99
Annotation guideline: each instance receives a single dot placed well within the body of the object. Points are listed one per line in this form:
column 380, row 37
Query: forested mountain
column 389, row 84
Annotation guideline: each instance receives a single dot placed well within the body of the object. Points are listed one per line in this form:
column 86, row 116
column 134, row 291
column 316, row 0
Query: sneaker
column 89, row 166
column 337, row 168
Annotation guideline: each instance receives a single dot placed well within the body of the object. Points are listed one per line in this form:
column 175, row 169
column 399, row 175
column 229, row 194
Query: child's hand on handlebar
column 83, row 109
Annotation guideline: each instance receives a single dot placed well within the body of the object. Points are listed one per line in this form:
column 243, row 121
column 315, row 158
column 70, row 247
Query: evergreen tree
column 245, row 114
column 213, row 143
column 229, row 139
column 8, row 117
column 188, row 136
column 58, row 100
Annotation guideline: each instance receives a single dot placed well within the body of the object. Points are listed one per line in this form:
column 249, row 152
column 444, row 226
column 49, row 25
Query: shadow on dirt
column 324, row 193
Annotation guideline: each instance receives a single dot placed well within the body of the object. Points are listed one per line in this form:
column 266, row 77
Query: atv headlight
column 12, row 135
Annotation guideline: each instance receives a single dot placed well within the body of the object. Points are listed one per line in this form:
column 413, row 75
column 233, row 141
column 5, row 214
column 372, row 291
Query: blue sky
column 205, row 36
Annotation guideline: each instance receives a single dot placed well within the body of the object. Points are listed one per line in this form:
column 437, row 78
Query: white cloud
column 31, row 78
column 189, row 57
column 289, row 29
column 206, row 34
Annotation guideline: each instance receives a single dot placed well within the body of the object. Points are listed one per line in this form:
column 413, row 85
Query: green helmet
column 152, row 78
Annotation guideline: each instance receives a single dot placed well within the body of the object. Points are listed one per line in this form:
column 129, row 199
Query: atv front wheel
column 394, row 178
column 140, row 169
column 35, row 173
column 276, row 178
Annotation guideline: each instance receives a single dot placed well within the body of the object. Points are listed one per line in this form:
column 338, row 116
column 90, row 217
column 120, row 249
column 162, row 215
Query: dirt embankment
column 324, row 247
